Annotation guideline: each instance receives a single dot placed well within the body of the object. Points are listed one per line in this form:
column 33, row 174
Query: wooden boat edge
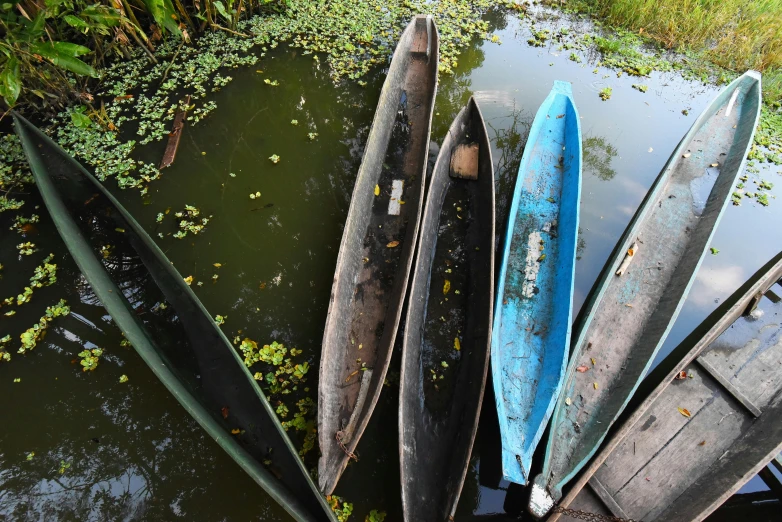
column 559, row 89
column 719, row 320
column 464, row 114
column 110, row 296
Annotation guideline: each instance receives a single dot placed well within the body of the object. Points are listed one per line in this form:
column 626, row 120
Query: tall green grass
column 735, row 34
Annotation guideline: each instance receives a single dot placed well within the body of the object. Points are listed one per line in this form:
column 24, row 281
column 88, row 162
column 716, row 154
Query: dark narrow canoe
column 532, row 318
column 627, row 317
column 693, row 442
column 168, row 326
column 376, row 252
column 439, row 406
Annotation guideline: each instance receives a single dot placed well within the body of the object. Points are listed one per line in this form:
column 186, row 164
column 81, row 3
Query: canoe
column 376, row 253
column 627, row 317
column 168, row 326
column 532, row 318
column 711, row 423
column 448, row 319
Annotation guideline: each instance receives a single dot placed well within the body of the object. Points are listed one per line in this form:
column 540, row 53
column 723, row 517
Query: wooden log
column 174, row 136
column 464, row 161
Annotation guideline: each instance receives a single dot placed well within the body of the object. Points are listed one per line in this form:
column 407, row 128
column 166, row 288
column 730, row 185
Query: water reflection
column 598, row 153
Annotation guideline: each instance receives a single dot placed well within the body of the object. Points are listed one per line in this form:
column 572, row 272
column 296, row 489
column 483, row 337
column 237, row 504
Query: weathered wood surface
column 376, row 252
column 175, row 135
column 438, row 417
column 532, row 318
column 693, row 442
column 627, row 317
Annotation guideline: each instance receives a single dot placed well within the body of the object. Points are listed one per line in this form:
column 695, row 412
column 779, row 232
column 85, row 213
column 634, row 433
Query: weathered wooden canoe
column 449, row 316
column 711, row 424
column 532, row 318
column 168, row 326
column 627, row 317
column 376, row 253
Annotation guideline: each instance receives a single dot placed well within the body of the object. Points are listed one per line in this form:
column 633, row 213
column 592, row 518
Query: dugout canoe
column 168, row 326
column 532, row 318
column 376, row 253
column 448, row 319
column 627, row 317
column 711, row 423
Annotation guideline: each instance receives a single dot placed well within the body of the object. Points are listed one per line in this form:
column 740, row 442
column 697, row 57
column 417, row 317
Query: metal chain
column 350, row 454
column 589, row 517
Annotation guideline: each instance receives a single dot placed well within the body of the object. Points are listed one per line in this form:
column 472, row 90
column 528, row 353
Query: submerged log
column 174, row 136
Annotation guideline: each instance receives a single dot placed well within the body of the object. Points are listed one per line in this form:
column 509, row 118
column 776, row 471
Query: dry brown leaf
column 582, row 369
column 702, row 443
column 393, row 244
column 685, row 412
column 681, row 375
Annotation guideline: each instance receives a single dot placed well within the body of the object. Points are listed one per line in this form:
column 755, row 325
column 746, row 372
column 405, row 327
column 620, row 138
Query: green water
column 133, row 451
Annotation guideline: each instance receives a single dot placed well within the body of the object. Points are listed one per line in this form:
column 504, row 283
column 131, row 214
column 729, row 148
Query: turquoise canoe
column 168, row 326
column 532, row 318
column 643, row 286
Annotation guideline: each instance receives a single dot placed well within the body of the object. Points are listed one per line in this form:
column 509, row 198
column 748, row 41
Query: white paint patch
column 540, row 503
column 533, row 264
column 394, row 205
column 732, row 102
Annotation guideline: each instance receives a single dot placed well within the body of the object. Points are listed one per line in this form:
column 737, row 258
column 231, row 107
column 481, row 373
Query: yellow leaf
column 189, row 280
column 593, row 360
column 594, row 384
column 236, row 431
column 446, row 287
column 377, row 190
column 393, row 244
column 685, row 412
column 456, row 344
column 217, row 265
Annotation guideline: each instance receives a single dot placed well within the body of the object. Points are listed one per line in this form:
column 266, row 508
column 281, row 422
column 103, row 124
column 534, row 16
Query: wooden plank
column 771, row 480
column 774, row 297
column 175, row 135
column 464, row 161
column 606, row 497
column 777, row 462
column 735, row 392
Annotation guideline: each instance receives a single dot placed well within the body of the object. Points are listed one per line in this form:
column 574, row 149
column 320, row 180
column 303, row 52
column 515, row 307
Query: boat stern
column 540, row 500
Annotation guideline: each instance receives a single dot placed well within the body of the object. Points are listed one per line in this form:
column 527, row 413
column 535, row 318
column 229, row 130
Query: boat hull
column 148, row 299
column 376, row 252
column 532, row 319
column 627, row 317
column 448, row 319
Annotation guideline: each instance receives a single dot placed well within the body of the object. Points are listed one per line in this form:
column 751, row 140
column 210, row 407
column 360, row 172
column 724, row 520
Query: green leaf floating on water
column 714, row 251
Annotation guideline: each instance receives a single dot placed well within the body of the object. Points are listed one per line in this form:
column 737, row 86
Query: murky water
column 132, row 452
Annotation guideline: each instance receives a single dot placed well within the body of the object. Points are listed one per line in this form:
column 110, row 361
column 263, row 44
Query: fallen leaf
column 594, row 384
column 541, row 258
column 224, row 411
column 377, row 190
column 393, row 244
column 456, row 344
column 568, row 401
column 681, row 376
column 714, row 251
column 217, row 265
column 560, row 116
column 582, row 369
column 593, row 360
column 446, row 287
column 685, row 412
column 189, row 280
column 236, row 431
column 702, row 443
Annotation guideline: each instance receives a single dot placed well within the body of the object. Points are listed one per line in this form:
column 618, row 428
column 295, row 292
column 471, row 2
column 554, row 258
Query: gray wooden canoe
column 449, row 315
column 168, row 326
column 376, row 252
column 694, row 441
column 627, row 317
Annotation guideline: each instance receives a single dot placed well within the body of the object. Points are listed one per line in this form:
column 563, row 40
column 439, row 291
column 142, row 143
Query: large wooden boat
column 711, row 424
column 531, row 333
column 445, row 349
column 168, row 326
column 376, row 252
column 643, row 286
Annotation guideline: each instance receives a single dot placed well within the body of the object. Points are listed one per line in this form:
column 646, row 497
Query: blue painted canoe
column 531, row 332
column 632, row 307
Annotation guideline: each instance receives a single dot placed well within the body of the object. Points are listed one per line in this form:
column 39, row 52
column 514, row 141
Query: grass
column 734, row 34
